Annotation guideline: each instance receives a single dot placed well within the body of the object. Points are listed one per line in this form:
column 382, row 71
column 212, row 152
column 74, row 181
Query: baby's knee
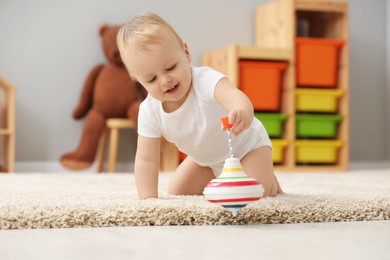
column 174, row 190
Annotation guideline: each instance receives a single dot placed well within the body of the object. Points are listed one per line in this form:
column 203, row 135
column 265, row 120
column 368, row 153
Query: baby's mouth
column 172, row 89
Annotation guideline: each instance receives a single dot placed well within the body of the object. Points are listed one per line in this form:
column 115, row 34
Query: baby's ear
column 187, row 51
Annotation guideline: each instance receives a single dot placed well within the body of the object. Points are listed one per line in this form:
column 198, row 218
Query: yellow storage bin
column 317, row 100
column 317, row 151
column 278, row 146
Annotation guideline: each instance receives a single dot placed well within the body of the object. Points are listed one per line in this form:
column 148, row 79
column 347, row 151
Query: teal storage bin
column 273, row 122
column 314, row 125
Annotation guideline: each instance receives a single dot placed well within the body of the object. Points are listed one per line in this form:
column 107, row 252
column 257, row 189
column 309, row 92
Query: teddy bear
column 108, row 92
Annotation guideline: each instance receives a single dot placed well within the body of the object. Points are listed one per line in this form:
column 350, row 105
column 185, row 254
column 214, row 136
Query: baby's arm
column 236, row 103
column 147, row 165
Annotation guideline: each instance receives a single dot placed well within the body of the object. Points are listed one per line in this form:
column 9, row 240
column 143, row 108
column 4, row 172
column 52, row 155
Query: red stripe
column 232, row 184
column 235, row 200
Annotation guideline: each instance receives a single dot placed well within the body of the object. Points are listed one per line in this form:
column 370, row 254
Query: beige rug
column 91, row 200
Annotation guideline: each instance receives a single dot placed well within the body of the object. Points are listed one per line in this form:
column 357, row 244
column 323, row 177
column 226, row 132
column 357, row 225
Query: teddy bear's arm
column 85, row 102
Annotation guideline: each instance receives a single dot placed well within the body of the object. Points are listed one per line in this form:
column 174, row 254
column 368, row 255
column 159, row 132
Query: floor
column 348, row 240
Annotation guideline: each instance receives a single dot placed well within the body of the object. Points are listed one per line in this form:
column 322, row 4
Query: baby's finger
column 232, row 117
column 239, row 128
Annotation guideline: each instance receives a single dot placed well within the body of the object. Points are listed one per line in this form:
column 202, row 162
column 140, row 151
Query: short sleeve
column 206, row 79
column 147, row 123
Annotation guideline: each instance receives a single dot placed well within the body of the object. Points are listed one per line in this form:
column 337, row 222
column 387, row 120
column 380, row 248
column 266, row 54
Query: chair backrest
column 7, row 105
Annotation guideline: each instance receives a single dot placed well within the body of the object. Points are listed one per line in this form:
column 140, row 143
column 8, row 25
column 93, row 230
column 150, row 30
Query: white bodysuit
column 195, row 127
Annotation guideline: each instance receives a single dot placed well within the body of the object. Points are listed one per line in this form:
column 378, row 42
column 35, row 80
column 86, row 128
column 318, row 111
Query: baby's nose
column 167, row 81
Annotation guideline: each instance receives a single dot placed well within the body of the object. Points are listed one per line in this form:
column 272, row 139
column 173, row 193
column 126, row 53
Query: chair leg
column 102, row 151
column 114, row 135
column 11, row 153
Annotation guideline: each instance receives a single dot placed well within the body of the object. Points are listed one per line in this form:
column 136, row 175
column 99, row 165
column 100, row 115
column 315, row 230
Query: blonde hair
column 143, row 30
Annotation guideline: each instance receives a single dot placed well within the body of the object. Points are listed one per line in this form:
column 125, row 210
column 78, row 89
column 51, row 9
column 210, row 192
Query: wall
column 388, row 78
column 368, row 128
column 48, row 47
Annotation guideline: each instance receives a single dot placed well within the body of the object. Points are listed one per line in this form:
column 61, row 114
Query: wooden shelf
column 276, row 30
column 254, row 52
column 7, row 124
column 337, row 6
column 226, row 59
column 277, row 26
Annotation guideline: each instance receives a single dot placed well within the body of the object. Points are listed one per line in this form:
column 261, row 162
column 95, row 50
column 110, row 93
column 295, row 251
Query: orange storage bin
column 317, row 61
column 261, row 82
column 182, row 156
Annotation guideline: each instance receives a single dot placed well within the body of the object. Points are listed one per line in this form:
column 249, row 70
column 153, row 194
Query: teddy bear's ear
column 102, row 29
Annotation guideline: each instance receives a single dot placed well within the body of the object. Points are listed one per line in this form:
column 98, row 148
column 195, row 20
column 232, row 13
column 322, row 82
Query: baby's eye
column 172, row 67
column 151, row 80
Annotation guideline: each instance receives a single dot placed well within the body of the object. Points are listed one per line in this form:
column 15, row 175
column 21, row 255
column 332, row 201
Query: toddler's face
column 164, row 70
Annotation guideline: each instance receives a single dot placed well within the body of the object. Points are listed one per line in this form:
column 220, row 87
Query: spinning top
column 233, row 189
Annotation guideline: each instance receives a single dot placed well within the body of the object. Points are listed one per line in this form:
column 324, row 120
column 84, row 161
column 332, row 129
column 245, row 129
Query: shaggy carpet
column 36, row 200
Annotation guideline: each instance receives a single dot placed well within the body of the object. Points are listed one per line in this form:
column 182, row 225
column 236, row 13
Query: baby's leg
column 258, row 164
column 189, row 178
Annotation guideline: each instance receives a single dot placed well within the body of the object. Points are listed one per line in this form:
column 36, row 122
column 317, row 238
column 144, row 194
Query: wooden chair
column 169, row 152
column 7, row 126
column 113, row 125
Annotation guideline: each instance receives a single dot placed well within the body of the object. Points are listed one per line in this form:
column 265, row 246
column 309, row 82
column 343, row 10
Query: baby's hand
column 151, row 199
column 240, row 121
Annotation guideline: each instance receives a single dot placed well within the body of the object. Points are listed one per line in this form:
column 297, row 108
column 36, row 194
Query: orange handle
column 225, row 123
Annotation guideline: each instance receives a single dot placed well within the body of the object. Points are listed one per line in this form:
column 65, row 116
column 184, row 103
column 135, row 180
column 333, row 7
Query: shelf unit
column 7, row 126
column 277, row 25
column 226, row 60
column 276, row 31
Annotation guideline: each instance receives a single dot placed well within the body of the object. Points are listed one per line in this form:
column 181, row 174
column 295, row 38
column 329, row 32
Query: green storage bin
column 273, row 122
column 314, row 125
